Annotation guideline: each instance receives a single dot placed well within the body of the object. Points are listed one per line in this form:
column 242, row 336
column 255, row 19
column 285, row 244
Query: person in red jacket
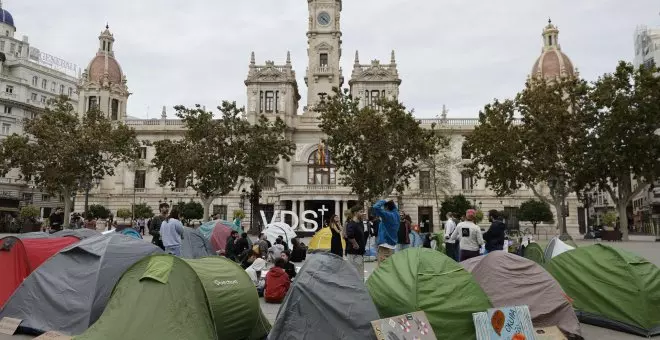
column 277, row 283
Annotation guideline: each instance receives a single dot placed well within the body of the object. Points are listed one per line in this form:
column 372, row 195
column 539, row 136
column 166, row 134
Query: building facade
column 312, row 188
column 29, row 78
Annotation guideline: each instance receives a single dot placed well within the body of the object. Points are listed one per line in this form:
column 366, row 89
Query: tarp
column 69, row 291
column 511, row 280
column 326, row 301
column 556, row 247
column 276, row 229
column 164, row 297
column 321, row 241
column 79, row 233
column 20, row 257
column 611, row 288
column 427, row 280
column 194, row 245
column 534, row 252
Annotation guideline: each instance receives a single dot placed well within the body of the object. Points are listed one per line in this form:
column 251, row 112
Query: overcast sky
column 453, row 52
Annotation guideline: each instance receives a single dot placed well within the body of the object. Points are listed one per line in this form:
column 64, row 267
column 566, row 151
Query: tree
column 535, row 212
column 377, row 149
column 60, row 150
column 99, row 211
column 609, row 219
column 622, row 144
column 124, row 213
column 543, row 150
column 142, row 210
column 458, row 205
column 209, row 158
column 266, row 142
column 440, row 168
column 190, row 211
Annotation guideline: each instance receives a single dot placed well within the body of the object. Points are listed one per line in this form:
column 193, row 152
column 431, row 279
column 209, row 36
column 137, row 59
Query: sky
column 457, row 53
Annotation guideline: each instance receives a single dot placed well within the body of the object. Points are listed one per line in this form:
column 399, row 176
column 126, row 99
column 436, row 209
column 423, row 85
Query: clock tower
column 323, row 50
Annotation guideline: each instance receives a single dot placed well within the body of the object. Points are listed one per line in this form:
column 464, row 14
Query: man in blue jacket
column 387, row 229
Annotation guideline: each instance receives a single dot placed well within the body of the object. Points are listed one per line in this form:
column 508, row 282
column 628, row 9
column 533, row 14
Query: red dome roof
column 97, row 69
column 553, row 63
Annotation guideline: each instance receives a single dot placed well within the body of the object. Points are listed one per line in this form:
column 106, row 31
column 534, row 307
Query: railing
column 456, row 121
column 179, row 190
column 5, row 180
column 154, row 122
column 278, row 68
column 10, row 95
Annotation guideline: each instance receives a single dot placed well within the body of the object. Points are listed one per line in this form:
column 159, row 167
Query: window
column 43, row 99
column 140, row 179
column 142, row 152
column 465, row 152
column 70, row 92
column 92, row 103
column 261, row 101
column 467, row 181
column 115, row 109
column 550, row 40
column 270, row 98
column 269, row 182
column 34, row 97
column 320, row 169
column 5, row 128
column 9, row 89
column 277, row 101
column 648, row 63
column 45, row 198
column 7, row 109
column 424, row 181
column 35, row 81
column 2, row 46
column 53, row 86
column 323, row 60
column 180, row 182
column 220, row 210
column 12, row 48
column 44, row 84
column 27, row 197
column 375, row 94
column 61, row 89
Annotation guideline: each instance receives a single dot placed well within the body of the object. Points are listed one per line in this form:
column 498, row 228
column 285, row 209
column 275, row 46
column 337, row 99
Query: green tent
column 534, row 252
column 427, row 280
column 611, row 288
column 165, row 297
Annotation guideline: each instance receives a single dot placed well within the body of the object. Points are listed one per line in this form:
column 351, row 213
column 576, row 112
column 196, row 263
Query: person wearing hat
column 470, row 236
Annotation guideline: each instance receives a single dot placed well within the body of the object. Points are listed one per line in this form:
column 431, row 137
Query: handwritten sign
column 504, row 323
column 9, row 325
column 407, row 326
column 52, row 335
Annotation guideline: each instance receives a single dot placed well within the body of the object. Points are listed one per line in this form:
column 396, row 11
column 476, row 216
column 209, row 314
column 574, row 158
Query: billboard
column 51, row 61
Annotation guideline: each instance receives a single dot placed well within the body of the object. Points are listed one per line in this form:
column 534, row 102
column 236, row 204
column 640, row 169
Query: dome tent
column 79, row 233
column 208, row 298
column 534, row 252
column 327, row 301
column 69, row 291
column 321, row 241
column 427, row 280
column 527, row 283
column 556, row 247
column 611, row 288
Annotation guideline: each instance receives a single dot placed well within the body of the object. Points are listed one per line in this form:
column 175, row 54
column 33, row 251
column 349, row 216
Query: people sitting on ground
column 242, row 247
column 126, row 229
column 249, row 259
column 254, row 272
column 171, row 232
column 277, row 283
column 289, row 267
column 275, row 252
column 263, row 245
column 299, row 252
column 471, row 238
column 230, row 248
column 280, row 240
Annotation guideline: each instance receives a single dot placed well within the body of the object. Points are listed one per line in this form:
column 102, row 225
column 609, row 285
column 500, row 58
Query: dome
column 97, row 69
column 553, row 62
column 6, row 18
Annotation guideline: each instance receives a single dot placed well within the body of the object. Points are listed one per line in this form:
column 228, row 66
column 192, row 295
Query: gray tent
column 326, row 301
column 79, row 233
column 69, row 292
column 36, row 234
column 511, row 280
column 194, row 245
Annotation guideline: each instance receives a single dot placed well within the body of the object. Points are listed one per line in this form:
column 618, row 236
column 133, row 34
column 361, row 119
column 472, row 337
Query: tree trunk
column 255, row 215
column 559, row 208
column 206, row 202
column 534, row 225
column 67, row 207
column 623, row 219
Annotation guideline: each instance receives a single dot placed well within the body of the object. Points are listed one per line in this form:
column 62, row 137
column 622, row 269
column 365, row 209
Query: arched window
column 320, row 169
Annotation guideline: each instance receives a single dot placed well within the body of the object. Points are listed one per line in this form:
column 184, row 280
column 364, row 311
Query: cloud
column 461, row 54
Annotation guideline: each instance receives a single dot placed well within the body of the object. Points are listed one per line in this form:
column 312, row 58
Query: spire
column 357, row 58
column 288, row 57
column 105, row 40
column 444, row 112
column 393, row 60
column 252, row 61
column 550, row 37
column 164, row 113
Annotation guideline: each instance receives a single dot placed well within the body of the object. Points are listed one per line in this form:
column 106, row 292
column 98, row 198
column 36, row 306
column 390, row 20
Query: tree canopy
column 190, row 210
column 535, row 212
column 142, row 210
column 60, row 151
column 458, row 205
column 98, row 211
column 377, row 149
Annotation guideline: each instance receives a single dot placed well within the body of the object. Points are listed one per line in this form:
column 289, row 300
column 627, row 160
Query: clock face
column 324, row 18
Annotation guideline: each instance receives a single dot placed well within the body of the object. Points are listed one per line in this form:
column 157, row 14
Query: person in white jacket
column 450, row 246
column 254, row 272
column 471, row 238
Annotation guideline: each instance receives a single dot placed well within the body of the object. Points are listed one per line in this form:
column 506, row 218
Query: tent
column 79, row 233
column 326, row 301
column 194, row 245
column 321, row 241
column 35, row 234
column 427, row 280
column 556, row 247
column 534, row 252
column 611, row 288
column 70, row 290
column 20, row 257
column 511, row 280
column 165, row 297
column 219, row 235
column 276, row 229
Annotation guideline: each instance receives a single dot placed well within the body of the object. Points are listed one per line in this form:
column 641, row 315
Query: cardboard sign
column 504, row 323
column 407, row 326
column 9, row 325
column 52, row 335
column 549, row 333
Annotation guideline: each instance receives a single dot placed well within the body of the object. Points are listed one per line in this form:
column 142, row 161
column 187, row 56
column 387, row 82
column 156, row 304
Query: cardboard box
column 407, row 326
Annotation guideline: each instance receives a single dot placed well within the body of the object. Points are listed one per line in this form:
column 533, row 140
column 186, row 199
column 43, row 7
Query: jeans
column 174, row 250
column 451, row 251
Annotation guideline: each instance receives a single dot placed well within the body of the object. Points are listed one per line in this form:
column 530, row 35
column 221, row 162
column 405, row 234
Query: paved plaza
column 649, row 250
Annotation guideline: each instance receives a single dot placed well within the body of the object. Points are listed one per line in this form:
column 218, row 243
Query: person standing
column 241, row 247
column 496, row 234
column 335, row 243
column 230, row 250
column 450, row 246
column 403, row 236
column 56, row 220
column 355, row 247
column 171, row 232
column 470, row 236
column 387, row 229
column 141, row 225
column 156, row 222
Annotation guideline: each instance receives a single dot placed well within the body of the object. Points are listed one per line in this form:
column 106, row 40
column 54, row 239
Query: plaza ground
column 648, row 250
